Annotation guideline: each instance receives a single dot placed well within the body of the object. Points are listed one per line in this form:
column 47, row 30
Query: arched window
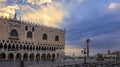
column 26, row 27
column 37, row 47
column 44, row 36
column 3, row 56
column 56, row 38
column 24, row 47
column 1, row 45
column 25, row 56
column 31, row 56
column 21, row 47
column 9, row 46
column 17, row 47
column 11, row 56
column 13, row 46
column 29, row 34
column 33, row 47
column 18, row 56
column 30, row 47
column 27, row 47
column 14, row 33
column 5, row 46
column 33, row 29
column 53, row 56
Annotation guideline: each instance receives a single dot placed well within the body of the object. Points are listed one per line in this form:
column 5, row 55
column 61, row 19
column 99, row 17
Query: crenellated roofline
column 30, row 23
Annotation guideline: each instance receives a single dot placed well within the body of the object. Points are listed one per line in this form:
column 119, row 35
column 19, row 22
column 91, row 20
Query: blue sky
column 98, row 20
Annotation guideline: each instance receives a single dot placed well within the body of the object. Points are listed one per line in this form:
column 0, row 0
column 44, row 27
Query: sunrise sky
column 98, row 20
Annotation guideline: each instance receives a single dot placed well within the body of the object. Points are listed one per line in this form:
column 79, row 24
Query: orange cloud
column 50, row 15
column 2, row 0
column 47, row 15
column 8, row 11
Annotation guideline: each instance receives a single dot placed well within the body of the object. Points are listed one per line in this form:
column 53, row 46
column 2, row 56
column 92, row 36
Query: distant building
column 29, row 42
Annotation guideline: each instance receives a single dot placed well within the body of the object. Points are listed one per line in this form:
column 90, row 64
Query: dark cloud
column 93, row 20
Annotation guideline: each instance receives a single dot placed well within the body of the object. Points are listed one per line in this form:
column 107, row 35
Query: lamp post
column 116, row 55
column 87, row 44
column 84, row 55
column 73, row 56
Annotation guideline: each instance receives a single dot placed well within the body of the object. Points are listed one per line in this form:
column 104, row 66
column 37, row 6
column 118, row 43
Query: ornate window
column 44, row 36
column 14, row 33
column 56, row 38
column 29, row 34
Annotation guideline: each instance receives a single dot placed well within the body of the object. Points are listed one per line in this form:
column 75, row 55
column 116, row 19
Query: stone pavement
column 66, row 63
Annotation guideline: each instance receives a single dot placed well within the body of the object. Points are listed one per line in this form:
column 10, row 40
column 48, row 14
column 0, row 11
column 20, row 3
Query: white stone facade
column 20, row 40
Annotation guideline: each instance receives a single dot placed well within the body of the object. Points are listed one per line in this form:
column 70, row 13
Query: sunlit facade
column 20, row 40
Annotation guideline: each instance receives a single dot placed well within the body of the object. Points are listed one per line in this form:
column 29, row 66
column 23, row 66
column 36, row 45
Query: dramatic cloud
column 8, row 11
column 47, row 15
column 44, row 12
column 98, row 20
column 39, row 2
column 113, row 6
column 3, row 1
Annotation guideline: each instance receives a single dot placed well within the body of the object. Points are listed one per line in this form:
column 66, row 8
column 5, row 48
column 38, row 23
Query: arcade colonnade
column 11, row 56
column 29, row 51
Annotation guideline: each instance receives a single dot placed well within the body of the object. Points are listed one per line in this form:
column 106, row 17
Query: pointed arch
column 43, row 57
column 14, row 33
column 18, row 56
column 2, row 56
column 31, row 56
column 37, row 56
column 56, row 38
column 44, row 36
column 48, row 57
column 29, row 34
column 25, row 57
column 1, row 45
column 5, row 46
column 11, row 57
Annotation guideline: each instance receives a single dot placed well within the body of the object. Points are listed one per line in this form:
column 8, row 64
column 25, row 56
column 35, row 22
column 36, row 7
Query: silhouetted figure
column 37, row 60
column 21, row 63
column 84, row 55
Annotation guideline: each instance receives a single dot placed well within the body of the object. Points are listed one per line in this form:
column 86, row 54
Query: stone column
column 6, row 57
column 34, row 57
column 14, row 57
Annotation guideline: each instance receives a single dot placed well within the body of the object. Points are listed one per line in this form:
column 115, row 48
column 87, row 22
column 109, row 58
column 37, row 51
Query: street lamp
column 116, row 55
column 84, row 53
column 87, row 43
